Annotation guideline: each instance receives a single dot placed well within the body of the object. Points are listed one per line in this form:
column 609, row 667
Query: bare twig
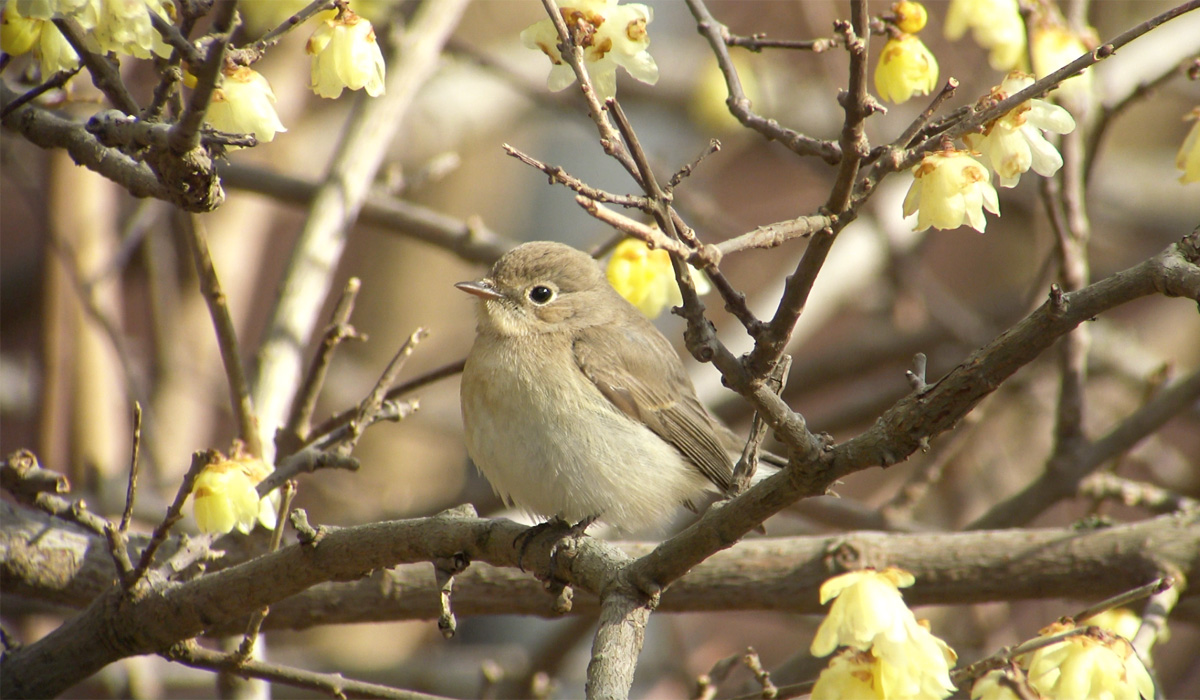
column 104, row 71
column 758, row 42
column 231, row 355
column 56, row 81
column 1103, row 485
column 245, row 650
column 174, row 514
column 739, row 105
column 558, row 175
column 369, row 409
column 185, row 133
column 191, row 654
column 295, row 431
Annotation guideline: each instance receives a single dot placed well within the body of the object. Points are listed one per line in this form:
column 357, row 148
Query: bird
column 574, row 406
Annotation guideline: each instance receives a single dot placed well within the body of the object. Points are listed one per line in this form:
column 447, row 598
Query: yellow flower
column 1119, row 621
column 1014, row 143
column 866, row 604
column 224, row 496
column 890, row 652
column 1087, row 666
column 346, row 55
column 1054, row 46
column 1188, row 158
column 849, row 676
column 989, row 687
column 244, row 104
column 18, row 34
column 910, row 16
column 995, row 25
column 646, row 279
column 951, row 189
column 906, row 68
column 610, row 35
column 124, row 27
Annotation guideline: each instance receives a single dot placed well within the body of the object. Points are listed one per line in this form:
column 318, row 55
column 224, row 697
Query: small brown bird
column 575, row 406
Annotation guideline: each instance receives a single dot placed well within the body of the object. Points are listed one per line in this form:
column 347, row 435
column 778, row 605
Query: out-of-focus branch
column 470, row 240
column 336, row 205
column 231, row 353
column 1062, row 476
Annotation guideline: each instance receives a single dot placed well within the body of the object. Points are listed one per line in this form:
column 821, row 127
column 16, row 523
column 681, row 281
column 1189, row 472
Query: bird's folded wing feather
column 627, row 366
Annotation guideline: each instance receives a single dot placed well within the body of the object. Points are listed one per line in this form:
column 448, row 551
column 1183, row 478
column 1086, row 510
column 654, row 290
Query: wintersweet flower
column 906, row 67
column 244, row 104
column 1188, row 158
column 346, row 55
column 890, row 652
column 866, row 604
column 224, row 496
column 995, row 25
column 20, row 34
column 850, row 674
column 124, row 27
column 1120, row 621
column 1089, row 666
column 1013, row 143
column 1053, row 47
column 610, row 35
column 646, row 278
column 910, row 16
column 951, row 189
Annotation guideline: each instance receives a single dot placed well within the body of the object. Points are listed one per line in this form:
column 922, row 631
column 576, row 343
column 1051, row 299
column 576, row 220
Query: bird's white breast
column 551, row 443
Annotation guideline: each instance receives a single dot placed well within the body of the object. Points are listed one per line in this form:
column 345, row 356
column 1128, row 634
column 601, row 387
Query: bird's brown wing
column 639, row 372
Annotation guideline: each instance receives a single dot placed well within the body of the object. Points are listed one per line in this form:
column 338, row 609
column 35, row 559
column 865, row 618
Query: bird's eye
column 540, row 294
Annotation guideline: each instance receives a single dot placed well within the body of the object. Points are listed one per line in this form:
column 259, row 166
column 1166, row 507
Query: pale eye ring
column 540, row 294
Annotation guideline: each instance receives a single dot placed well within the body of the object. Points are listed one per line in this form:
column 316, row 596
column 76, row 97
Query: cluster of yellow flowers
column 906, row 66
column 888, row 653
column 116, row 26
column 1086, row 665
column 344, row 53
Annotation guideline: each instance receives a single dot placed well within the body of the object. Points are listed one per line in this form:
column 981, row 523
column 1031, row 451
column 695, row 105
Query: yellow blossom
column 1089, row 666
column 951, row 189
column 1188, row 158
column 224, row 496
column 906, row 67
column 1120, row 621
column 610, row 35
column 646, row 279
column 346, row 55
column 849, row 676
column 18, row 34
column 995, row 25
column 1013, row 143
column 866, row 604
column 124, row 27
column 244, row 104
column 910, row 16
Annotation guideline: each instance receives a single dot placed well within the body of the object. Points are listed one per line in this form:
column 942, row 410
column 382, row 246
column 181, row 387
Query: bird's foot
column 559, row 530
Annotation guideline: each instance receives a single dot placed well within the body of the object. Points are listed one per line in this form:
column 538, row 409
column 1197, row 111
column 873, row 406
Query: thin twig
column 245, row 650
column 334, row 423
column 56, row 81
column 174, row 514
column 131, row 488
column 231, row 355
column 295, row 431
column 758, row 42
column 369, row 409
column 558, row 175
column 1156, row 586
column 185, row 133
column 739, row 105
column 189, row 653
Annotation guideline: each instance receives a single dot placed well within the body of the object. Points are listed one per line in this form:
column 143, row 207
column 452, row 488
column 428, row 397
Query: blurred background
column 885, row 294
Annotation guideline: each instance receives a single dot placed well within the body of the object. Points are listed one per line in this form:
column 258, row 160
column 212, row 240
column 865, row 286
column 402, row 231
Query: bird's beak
column 484, row 289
